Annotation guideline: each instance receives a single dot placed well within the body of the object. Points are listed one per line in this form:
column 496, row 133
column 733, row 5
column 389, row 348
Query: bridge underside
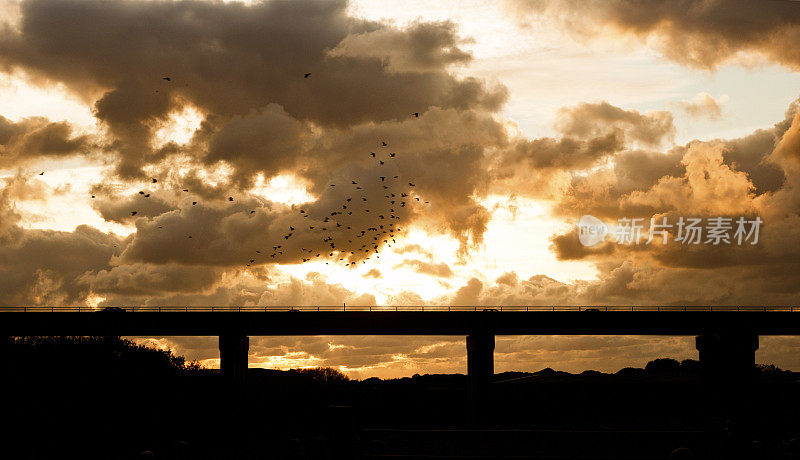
column 397, row 323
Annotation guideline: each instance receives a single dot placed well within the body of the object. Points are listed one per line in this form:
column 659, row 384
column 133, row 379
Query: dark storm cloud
column 590, row 133
column 243, row 68
column 35, row 137
column 564, row 153
column 699, row 33
column 144, row 280
column 43, row 266
column 421, row 47
column 591, row 120
column 229, row 59
column 116, row 208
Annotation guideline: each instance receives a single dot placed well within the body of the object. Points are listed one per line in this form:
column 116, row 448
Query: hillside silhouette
column 109, row 398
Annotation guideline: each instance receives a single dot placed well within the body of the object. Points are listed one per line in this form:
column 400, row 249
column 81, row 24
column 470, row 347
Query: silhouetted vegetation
column 109, row 398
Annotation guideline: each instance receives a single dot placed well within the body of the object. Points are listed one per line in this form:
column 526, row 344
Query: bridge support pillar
column 480, row 369
column 233, row 350
column 727, row 354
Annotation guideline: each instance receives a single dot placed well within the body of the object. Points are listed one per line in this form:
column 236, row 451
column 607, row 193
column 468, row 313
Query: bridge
column 726, row 337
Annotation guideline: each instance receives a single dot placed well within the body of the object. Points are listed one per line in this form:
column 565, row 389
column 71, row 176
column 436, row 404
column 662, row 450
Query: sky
column 176, row 153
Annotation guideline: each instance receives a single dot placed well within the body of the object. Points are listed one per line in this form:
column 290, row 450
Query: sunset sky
column 511, row 120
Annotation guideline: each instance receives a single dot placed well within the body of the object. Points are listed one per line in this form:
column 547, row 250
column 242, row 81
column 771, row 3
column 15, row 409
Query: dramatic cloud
column 229, row 60
column 37, row 137
column 701, row 179
column 699, row 33
column 586, row 121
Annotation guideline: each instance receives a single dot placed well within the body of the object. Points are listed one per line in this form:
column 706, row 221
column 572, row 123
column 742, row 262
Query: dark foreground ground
column 108, row 399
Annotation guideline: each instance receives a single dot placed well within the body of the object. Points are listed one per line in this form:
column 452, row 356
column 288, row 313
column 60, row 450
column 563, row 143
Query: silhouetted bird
column 410, row 184
column 416, row 114
column 155, row 180
column 194, row 203
column 41, row 173
column 392, row 155
column 372, row 154
column 384, row 143
column 252, row 212
column 186, row 190
column 133, row 213
column 307, row 75
column 166, row 78
column 92, row 196
column 230, row 198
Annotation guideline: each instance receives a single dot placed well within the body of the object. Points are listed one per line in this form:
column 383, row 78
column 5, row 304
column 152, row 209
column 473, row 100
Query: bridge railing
column 445, row 308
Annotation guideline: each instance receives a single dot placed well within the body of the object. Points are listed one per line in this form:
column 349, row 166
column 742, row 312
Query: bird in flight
column 307, row 75
column 166, row 78
column 155, row 180
column 41, row 173
column 133, row 213
column 230, row 198
column 383, row 143
column 416, row 114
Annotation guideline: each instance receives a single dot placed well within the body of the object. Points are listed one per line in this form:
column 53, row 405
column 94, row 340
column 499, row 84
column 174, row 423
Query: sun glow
column 287, row 189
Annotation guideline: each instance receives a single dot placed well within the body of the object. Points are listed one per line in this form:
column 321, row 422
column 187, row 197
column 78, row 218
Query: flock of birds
column 340, row 228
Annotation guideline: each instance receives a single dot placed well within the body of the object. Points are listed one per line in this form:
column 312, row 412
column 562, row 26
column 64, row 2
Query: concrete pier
column 480, row 368
column 233, row 350
column 728, row 353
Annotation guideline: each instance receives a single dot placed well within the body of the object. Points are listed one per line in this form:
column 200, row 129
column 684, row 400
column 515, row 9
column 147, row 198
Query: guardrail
column 265, row 309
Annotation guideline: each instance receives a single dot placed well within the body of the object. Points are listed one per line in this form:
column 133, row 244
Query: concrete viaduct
column 726, row 338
